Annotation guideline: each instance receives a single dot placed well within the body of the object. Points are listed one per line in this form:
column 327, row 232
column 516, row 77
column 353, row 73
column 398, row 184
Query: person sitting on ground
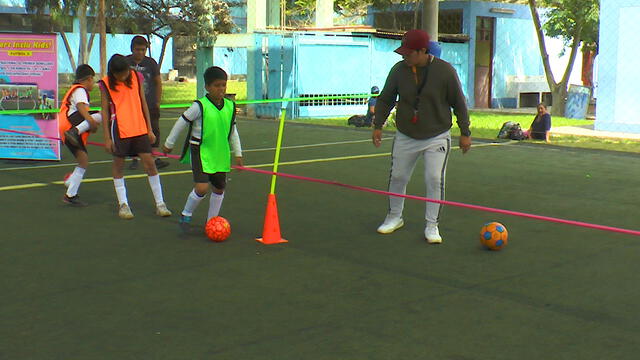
column 541, row 126
column 371, row 106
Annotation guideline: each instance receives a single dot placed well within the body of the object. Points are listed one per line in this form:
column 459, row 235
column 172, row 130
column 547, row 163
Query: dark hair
column 139, row 40
column 84, row 71
column 117, row 64
column 375, row 90
column 214, row 73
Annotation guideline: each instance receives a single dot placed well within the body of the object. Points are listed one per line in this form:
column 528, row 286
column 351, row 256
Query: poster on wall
column 28, row 82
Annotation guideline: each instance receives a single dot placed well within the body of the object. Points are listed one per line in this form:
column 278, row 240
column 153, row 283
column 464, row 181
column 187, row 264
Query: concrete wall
column 618, row 75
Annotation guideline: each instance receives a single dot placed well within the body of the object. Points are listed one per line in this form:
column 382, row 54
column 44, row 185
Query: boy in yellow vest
column 127, row 130
column 212, row 135
column 75, row 122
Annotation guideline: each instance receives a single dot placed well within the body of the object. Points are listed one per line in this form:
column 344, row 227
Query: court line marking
column 182, row 172
column 247, row 150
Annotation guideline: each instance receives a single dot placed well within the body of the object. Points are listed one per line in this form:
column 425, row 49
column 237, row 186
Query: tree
column 61, row 14
column 575, row 21
column 165, row 19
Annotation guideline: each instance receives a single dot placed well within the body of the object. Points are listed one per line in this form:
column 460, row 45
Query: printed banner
column 28, row 81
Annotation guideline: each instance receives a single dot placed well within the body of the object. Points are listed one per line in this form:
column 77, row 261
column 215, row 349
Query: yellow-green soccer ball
column 494, row 236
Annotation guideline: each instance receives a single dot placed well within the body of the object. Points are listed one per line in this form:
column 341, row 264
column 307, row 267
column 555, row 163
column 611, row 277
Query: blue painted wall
column 516, row 54
column 618, row 75
column 232, row 59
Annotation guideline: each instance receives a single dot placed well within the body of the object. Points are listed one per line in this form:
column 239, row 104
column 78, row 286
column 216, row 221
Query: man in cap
column 427, row 88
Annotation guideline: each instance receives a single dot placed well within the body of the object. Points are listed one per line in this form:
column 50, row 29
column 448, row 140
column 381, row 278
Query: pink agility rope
column 381, row 192
column 452, row 203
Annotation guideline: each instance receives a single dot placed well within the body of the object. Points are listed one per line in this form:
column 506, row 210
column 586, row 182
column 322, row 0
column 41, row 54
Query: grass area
column 486, row 125
column 174, row 92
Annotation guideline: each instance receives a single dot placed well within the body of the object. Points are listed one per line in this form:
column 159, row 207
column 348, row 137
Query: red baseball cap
column 413, row 40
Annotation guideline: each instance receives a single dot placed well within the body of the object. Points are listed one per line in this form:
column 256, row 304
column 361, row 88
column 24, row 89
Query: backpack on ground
column 511, row 130
column 357, row 120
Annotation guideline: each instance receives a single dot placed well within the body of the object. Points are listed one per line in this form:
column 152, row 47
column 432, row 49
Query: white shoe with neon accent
column 390, row 225
column 432, row 234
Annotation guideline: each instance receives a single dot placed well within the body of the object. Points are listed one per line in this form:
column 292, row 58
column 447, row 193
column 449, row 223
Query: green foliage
column 204, row 18
column 565, row 16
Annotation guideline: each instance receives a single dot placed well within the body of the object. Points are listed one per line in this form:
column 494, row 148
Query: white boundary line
column 248, row 150
column 181, row 172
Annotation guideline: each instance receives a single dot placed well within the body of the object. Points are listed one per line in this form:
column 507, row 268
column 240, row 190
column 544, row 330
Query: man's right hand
column 166, row 150
column 376, row 136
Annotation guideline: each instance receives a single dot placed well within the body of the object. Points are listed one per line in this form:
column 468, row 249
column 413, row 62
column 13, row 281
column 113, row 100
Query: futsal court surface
column 80, row 283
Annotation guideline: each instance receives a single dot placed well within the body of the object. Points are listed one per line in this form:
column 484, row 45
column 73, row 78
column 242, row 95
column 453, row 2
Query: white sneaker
column 432, row 234
column 124, row 212
column 390, row 225
column 162, row 210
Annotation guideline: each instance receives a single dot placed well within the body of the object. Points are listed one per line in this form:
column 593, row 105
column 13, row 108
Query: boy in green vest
column 211, row 137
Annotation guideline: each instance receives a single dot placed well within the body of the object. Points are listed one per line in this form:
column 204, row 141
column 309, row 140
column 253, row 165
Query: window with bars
column 450, row 21
column 348, row 100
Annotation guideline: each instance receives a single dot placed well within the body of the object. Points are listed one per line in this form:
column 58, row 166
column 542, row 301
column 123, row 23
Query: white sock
column 83, row 127
column 74, row 181
column 215, row 203
column 193, row 200
column 121, row 191
column 156, row 188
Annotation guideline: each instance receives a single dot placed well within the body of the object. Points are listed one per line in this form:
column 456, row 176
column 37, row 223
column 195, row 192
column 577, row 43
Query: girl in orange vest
column 75, row 121
column 127, row 130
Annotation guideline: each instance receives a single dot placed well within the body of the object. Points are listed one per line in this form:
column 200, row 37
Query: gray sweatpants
column 404, row 156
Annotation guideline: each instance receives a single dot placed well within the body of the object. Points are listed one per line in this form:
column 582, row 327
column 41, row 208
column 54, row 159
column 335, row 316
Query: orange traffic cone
column 271, row 230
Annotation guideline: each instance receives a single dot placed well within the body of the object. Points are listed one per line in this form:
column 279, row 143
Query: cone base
column 280, row 241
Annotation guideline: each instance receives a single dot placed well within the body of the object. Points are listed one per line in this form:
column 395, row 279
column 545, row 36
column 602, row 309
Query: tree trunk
column 416, row 11
column 68, row 48
column 96, row 29
column 430, row 9
column 541, row 44
column 90, row 46
column 558, row 90
column 165, row 41
column 82, row 17
column 559, row 94
column 103, row 38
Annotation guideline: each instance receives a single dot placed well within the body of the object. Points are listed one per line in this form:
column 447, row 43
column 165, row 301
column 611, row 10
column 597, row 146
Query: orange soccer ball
column 217, row 229
column 494, row 235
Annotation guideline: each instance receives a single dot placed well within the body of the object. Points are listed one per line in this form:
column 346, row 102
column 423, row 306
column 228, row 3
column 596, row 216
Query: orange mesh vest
column 63, row 117
column 128, row 107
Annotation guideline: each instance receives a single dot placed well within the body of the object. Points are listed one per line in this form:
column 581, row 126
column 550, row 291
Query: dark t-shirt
column 149, row 70
column 369, row 117
column 540, row 126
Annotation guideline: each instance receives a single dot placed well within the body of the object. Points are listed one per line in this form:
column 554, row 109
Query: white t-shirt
column 78, row 96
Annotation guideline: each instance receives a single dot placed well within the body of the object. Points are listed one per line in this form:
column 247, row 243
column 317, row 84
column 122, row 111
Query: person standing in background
column 150, row 71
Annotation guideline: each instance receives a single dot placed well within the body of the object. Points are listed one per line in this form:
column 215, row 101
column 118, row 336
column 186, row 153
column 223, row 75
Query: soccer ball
column 217, row 229
column 494, row 235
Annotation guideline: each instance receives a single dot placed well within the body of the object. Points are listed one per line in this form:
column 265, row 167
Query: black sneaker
column 161, row 163
column 72, row 137
column 134, row 164
column 74, row 201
